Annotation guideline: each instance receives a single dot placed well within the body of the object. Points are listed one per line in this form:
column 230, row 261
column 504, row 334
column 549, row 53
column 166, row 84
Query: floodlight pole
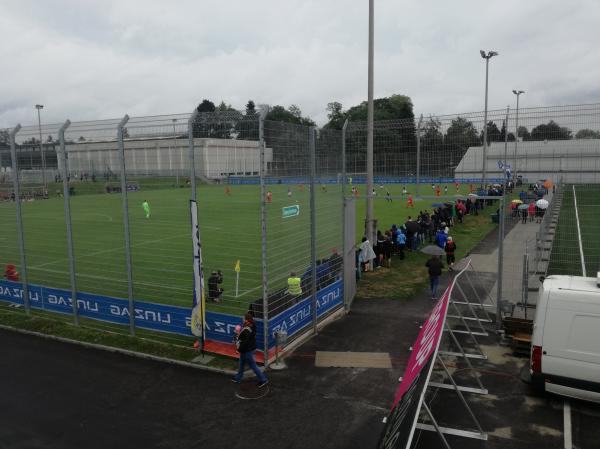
column 501, row 214
column 517, row 93
column 419, row 154
column 39, row 107
column 191, row 155
column 370, row 231
column 487, row 57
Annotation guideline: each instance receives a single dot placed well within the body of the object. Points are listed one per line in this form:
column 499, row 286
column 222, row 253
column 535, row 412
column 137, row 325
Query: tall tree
column 587, row 134
column 523, row 133
column 250, row 108
column 206, row 106
column 550, row 131
column 336, row 115
column 493, row 133
column 511, row 136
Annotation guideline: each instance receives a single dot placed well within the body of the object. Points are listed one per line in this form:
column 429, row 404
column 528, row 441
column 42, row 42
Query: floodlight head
column 482, row 53
column 515, row 92
column 39, row 106
column 492, row 53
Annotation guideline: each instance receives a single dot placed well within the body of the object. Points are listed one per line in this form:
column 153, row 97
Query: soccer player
column 410, row 203
column 146, row 208
column 301, row 187
column 388, row 197
column 374, row 192
column 446, row 189
column 227, row 191
column 289, row 192
column 457, row 185
column 324, row 188
column 404, row 191
column 438, row 191
column 269, row 196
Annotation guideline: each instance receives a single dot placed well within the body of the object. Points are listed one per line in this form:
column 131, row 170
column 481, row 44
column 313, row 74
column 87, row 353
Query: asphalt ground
column 61, row 395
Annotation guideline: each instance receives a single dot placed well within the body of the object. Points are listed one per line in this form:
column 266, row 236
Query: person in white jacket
column 366, row 254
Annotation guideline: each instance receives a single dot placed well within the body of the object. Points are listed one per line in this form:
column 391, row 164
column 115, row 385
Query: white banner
column 198, row 317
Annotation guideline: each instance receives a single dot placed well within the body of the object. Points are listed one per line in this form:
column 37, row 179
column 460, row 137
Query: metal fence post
column 263, row 233
column 126, row 223
column 191, row 148
column 312, row 133
column 343, row 217
column 64, row 170
column 419, row 155
column 501, row 214
column 20, row 232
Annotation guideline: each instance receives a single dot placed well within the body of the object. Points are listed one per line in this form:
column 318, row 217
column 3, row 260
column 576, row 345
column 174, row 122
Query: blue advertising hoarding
column 167, row 318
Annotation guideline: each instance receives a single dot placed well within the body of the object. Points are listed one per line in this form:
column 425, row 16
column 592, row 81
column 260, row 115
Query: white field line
column 579, row 234
column 567, row 425
column 104, row 251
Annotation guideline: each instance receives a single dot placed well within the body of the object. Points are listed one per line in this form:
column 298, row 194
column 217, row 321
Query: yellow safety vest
column 294, row 287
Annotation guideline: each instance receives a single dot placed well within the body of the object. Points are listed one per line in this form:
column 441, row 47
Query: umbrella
column 517, row 201
column 472, row 197
column 523, row 206
column 433, row 250
column 542, row 204
column 437, row 205
column 496, row 185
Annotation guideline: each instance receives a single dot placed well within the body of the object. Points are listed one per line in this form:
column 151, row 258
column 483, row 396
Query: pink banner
column 426, row 344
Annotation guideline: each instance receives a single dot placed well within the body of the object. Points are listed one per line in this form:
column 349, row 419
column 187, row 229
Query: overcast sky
column 87, row 59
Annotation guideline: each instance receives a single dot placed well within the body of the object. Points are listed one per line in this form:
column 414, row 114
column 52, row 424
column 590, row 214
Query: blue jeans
column 434, row 281
column 248, row 357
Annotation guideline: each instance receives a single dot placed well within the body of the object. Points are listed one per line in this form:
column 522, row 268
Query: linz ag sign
column 290, row 211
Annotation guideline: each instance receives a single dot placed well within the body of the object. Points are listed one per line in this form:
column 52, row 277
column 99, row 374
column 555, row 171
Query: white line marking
column 248, row 291
column 104, row 251
column 567, row 425
column 579, row 234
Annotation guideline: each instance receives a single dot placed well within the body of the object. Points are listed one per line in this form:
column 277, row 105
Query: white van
column 565, row 345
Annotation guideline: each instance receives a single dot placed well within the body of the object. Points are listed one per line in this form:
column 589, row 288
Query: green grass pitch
column 161, row 245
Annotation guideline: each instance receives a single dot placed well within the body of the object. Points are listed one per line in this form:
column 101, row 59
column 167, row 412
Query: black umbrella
column 433, row 250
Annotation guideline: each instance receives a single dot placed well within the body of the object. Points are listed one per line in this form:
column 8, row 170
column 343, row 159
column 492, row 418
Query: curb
column 127, row 352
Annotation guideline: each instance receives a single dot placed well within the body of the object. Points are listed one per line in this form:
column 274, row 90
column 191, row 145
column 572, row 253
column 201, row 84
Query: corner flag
column 237, row 277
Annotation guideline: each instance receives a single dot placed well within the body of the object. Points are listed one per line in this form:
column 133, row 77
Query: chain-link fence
column 104, row 205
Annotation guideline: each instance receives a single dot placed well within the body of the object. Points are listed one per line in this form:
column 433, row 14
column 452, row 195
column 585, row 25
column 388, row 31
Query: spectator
column 401, row 243
column 214, row 291
column 387, row 249
column 440, row 238
column 531, row 210
column 450, row 248
column 366, row 254
column 246, row 345
column 294, row 283
column 434, row 266
column 379, row 249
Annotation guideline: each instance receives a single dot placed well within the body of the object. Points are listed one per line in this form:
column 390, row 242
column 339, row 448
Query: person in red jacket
column 450, row 247
column 531, row 210
column 11, row 273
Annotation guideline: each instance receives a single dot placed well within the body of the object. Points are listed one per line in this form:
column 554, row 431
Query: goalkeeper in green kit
column 146, row 208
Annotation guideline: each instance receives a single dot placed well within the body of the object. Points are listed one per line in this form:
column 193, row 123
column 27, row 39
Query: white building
column 573, row 161
column 214, row 158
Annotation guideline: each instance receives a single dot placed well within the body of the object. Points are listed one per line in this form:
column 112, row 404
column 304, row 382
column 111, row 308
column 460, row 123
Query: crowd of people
column 425, row 228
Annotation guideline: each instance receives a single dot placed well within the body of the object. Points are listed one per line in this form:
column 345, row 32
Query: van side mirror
column 542, row 278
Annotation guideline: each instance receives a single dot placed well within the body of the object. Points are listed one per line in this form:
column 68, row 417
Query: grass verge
column 408, row 277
